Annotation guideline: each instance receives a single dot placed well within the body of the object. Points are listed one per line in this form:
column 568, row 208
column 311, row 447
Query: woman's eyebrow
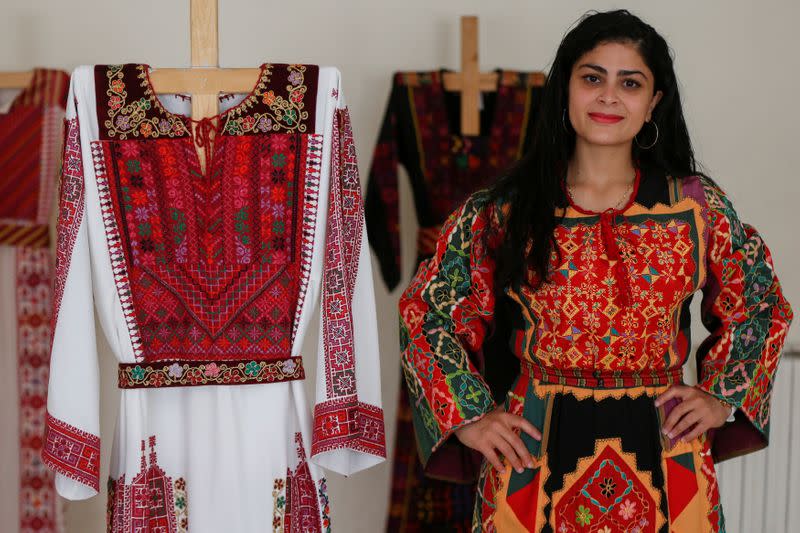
column 602, row 70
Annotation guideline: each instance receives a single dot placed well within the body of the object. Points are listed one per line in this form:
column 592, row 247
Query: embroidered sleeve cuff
column 343, row 426
column 72, row 453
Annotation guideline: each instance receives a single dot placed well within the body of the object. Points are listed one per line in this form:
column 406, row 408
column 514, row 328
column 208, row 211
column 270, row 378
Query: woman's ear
column 653, row 103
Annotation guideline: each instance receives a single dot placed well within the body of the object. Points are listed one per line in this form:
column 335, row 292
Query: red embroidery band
column 348, row 423
column 70, row 209
column 597, row 379
column 192, row 373
column 345, row 222
column 72, row 452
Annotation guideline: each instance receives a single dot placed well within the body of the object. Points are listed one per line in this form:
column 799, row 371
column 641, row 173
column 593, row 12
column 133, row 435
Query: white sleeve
column 349, row 430
column 72, row 442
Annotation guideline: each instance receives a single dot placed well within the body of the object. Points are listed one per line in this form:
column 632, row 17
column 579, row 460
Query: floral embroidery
column 278, row 505
column 324, row 505
column 283, row 113
column 607, row 490
column 181, row 506
column 627, row 509
column 583, row 516
column 136, row 117
column 184, row 373
column 607, row 487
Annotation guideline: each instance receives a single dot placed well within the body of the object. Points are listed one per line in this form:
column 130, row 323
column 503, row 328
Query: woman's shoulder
column 703, row 188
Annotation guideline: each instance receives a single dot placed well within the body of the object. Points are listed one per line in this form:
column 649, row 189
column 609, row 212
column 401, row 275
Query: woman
column 591, row 250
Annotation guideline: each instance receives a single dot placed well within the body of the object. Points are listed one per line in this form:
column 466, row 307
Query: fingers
column 675, row 415
column 519, row 447
column 521, row 423
column 698, row 430
column 499, row 435
column 675, row 391
column 508, row 452
column 493, row 459
column 690, row 419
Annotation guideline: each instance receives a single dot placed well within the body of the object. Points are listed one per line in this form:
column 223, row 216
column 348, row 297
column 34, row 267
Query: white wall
column 737, row 62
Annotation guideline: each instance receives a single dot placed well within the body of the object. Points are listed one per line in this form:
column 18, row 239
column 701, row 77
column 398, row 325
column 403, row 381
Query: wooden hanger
column 205, row 80
column 470, row 81
column 15, row 80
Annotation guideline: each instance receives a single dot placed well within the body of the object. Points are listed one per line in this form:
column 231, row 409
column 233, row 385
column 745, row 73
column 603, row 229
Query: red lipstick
column 605, row 119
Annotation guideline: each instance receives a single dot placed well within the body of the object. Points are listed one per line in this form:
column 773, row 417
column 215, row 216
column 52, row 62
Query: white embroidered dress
column 205, row 283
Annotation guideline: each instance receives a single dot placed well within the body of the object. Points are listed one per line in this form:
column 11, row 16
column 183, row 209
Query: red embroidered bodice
column 214, row 258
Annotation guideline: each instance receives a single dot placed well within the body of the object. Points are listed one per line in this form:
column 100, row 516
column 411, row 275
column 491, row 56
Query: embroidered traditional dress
column 607, row 333
column 205, row 283
column 421, row 131
column 30, row 133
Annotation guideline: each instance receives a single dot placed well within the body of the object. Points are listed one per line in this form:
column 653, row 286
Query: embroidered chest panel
column 209, row 266
column 283, row 99
column 576, row 320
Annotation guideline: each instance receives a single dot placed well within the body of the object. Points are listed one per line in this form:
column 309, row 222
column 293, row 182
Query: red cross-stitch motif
column 71, row 206
column 72, row 452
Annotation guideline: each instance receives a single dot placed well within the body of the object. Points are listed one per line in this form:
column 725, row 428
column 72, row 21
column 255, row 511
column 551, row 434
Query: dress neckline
column 251, row 97
column 610, row 211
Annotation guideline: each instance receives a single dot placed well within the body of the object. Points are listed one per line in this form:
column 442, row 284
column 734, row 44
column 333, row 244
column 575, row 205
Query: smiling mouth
column 605, row 119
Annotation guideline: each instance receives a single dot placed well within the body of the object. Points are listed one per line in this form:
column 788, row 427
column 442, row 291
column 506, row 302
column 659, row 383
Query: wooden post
column 470, row 76
column 205, row 52
column 470, row 81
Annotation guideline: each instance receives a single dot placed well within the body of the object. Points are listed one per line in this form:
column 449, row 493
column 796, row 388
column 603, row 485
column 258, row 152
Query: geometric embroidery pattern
column 348, row 423
column 72, row 452
column 342, row 421
column 37, row 493
column 150, row 502
column 295, row 499
column 115, row 248
column 71, row 207
column 212, row 258
column 345, row 219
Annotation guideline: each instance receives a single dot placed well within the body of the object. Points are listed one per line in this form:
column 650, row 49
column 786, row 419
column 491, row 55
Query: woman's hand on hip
column 495, row 433
column 697, row 410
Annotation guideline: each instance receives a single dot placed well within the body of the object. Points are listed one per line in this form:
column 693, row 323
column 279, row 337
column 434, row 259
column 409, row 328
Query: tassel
column 607, row 222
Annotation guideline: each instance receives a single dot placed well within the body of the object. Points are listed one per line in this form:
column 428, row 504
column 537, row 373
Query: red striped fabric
column 20, row 148
column 30, row 236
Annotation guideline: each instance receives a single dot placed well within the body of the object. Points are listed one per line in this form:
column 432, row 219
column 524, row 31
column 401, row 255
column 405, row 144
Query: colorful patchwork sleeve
column 72, row 441
column 748, row 317
column 444, row 317
column 382, row 209
column 349, row 430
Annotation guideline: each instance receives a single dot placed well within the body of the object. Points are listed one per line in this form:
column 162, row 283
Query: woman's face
column 611, row 95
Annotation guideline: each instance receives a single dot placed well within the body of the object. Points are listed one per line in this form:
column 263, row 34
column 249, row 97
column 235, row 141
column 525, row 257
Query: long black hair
column 533, row 188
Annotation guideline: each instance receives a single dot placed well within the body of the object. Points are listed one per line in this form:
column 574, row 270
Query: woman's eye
column 591, row 78
column 631, row 84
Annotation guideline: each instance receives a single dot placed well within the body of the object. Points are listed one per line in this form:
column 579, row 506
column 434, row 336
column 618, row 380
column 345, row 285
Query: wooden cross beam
column 15, row 80
column 470, row 81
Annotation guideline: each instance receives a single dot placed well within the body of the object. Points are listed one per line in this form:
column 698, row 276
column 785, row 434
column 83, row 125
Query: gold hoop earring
column 636, row 137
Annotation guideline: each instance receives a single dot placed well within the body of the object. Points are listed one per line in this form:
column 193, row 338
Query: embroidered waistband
column 601, row 379
column 30, row 236
column 426, row 240
column 194, row 373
